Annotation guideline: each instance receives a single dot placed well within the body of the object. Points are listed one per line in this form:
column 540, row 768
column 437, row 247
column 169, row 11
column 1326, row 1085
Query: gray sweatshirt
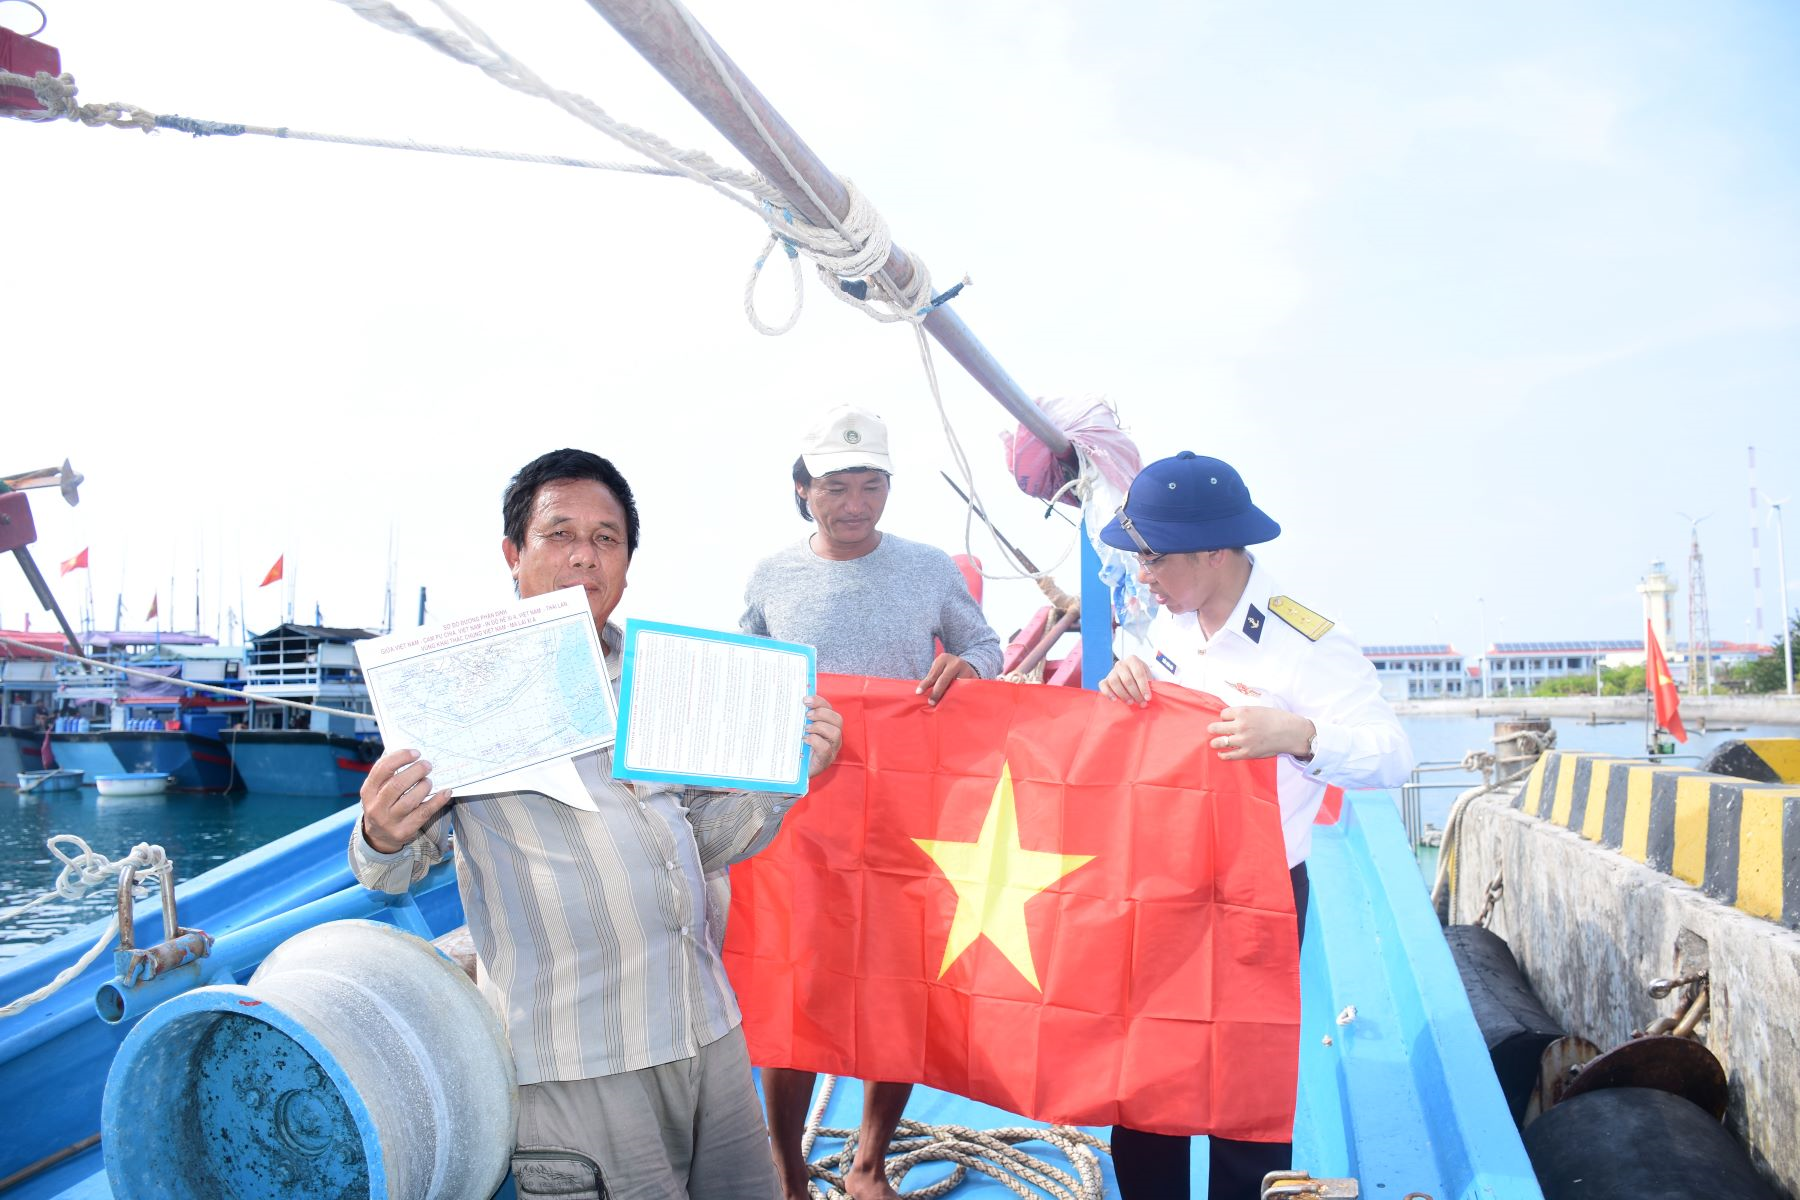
column 874, row 615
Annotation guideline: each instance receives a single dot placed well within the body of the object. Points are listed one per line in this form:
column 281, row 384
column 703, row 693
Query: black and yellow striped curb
column 1762, row 760
column 1734, row 839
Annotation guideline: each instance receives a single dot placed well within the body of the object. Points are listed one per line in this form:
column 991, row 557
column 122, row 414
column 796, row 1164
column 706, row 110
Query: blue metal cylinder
column 357, row 1061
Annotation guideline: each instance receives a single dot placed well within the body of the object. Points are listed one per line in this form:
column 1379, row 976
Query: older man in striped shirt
column 590, row 927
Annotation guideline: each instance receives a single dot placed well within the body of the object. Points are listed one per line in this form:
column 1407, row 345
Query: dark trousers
column 1154, row 1166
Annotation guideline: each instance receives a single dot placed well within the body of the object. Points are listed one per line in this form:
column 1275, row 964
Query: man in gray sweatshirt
column 874, row 604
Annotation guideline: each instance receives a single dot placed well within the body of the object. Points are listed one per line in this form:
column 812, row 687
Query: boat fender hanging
column 23, row 54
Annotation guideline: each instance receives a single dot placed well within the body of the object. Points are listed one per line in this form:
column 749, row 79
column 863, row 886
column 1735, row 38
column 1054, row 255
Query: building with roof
column 1517, row 668
column 1419, row 671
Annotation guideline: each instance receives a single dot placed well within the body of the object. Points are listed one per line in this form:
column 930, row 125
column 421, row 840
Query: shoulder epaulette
column 1308, row 622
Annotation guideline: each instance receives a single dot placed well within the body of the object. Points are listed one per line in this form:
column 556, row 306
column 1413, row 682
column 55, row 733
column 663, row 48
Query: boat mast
column 657, row 31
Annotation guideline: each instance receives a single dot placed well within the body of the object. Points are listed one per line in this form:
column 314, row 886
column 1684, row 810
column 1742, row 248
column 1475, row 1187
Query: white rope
column 992, row 1152
column 80, row 874
column 186, row 683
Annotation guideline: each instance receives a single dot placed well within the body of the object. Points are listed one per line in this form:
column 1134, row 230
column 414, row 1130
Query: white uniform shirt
column 1256, row 658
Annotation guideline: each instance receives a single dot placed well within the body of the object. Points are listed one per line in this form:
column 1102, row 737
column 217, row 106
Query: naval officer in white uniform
column 1298, row 689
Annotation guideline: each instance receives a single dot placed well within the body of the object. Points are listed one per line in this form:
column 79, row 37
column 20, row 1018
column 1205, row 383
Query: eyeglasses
column 1146, row 556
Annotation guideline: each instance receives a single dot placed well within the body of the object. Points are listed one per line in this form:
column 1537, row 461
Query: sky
column 1486, row 303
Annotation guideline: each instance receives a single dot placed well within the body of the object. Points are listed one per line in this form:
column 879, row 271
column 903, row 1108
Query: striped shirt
column 591, row 928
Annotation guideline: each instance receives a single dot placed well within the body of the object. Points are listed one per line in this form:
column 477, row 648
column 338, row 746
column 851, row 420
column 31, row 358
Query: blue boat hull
column 20, row 750
column 301, row 762
column 1403, row 1097
column 89, row 753
column 194, row 762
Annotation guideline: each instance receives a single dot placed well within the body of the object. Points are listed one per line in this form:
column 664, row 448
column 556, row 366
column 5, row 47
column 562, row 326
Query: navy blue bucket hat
column 1188, row 503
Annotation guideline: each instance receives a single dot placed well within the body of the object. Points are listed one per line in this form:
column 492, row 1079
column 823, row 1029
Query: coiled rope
column 81, row 873
column 991, row 1152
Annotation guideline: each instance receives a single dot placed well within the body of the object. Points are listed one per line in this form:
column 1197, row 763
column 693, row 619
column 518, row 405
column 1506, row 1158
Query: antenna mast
column 1699, row 623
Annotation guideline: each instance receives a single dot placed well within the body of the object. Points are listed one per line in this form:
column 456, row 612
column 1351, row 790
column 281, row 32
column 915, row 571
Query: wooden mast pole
column 656, row 31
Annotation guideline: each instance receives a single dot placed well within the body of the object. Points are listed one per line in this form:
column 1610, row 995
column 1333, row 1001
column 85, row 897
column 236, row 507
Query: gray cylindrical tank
column 357, row 1061
column 1638, row 1144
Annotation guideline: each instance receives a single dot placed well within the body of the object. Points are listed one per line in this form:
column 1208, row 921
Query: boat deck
column 1402, row 1097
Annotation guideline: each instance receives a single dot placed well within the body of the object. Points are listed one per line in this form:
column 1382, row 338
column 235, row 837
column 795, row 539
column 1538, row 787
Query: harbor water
column 201, row 831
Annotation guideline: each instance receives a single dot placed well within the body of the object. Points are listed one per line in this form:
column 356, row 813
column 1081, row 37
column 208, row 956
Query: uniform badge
column 1253, row 624
column 1245, row 688
column 1168, row 664
column 1308, row 622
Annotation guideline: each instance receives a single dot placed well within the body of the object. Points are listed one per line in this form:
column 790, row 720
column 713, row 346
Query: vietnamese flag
column 78, row 563
column 274, row 572
column 151, row 615
column 1662, row 685
column 1037, row 898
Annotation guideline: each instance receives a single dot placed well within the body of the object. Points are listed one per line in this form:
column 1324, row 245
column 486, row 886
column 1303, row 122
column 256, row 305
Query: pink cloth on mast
column 1091, row 424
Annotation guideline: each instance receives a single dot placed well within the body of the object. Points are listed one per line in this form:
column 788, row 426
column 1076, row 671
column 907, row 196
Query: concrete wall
column 1591, row 927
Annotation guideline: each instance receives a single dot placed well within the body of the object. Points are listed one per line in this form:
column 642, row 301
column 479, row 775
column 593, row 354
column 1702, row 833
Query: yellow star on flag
column 994, row 876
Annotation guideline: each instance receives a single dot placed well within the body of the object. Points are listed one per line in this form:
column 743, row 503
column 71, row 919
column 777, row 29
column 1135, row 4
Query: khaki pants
column 688, row 1130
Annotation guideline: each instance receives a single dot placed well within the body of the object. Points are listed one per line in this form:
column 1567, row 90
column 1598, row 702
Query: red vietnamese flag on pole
column 1037, row 898
column 1662, row 685
column 274, row 574
column 151, row 615
column 78, row 563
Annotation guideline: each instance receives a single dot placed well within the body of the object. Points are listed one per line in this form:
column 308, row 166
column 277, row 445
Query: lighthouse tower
column 1656, row 589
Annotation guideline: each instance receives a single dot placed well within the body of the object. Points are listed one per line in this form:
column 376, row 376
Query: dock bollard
column 356, row 1061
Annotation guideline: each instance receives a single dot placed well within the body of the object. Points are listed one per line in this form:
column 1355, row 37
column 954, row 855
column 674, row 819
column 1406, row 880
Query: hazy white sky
column 1478, row 299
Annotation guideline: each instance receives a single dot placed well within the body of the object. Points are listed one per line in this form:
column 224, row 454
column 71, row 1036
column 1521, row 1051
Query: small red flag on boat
column 274, row 572
column 151, row 615
column 79, row 562
column 1662, row 685
column 1037, row 898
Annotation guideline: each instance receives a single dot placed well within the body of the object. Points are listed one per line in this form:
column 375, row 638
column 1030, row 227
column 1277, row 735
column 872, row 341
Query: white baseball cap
column 846, row 439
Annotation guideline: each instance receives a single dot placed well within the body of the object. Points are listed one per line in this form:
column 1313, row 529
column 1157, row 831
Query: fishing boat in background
column 292, row 751
column 115, row 724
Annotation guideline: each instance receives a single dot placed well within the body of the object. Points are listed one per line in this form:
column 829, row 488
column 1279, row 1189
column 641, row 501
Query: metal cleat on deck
column 1277, row 1184
column 174, row 961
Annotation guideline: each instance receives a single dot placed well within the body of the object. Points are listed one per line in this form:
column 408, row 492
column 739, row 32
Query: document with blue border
column 711, row 709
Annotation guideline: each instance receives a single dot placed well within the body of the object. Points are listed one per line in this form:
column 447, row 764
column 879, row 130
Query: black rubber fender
column 1512, row 1019
column 1639, row 1144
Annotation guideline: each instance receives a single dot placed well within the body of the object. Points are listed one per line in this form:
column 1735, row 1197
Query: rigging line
column 187, row 683
column 204, row 128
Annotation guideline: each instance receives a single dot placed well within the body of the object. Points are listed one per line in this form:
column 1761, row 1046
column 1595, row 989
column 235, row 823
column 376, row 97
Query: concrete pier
column 1696, row 711
column 1603, row 863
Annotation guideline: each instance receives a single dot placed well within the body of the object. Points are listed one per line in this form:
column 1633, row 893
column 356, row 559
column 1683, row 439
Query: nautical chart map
column 491, row 694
